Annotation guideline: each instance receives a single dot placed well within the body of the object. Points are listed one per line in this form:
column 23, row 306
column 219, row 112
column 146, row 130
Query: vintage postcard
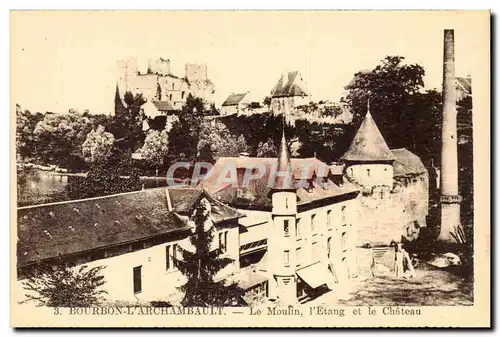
column 250, row 169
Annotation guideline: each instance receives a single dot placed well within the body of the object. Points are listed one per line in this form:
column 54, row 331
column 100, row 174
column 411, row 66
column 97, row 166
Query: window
column 313, row 223
column 368, row 172
column 170, row 96
column 173, row 86
column 286, row 227
column 329, row 218
column 137, row 280
column 328, row 246
column 175, row 251
column 297, row 227
column 287, row 258
column 298, row 251
column 223, row 242
column 344, row 241
column 171, row 256
column 381, row 194
column 343, row 213
column 182, row 94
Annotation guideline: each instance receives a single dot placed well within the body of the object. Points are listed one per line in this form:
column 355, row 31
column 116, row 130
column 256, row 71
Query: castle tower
column 450, row 199
column 282, row 237
column 369, row 162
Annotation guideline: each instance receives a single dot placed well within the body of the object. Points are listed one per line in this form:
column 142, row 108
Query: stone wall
column 159, row 66
column 384, row 217
column 196, row 72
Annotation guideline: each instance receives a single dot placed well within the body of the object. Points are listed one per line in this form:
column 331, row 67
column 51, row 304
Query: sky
column 67, row 60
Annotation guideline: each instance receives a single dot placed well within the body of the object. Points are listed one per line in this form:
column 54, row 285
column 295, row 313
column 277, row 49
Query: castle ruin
column 157, row 83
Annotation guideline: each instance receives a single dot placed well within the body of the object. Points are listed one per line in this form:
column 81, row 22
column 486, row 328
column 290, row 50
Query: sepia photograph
column 250, row 168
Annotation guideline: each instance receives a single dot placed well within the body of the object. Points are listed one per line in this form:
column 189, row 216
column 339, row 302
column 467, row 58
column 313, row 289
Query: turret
column 369, row 162
column 282, row 236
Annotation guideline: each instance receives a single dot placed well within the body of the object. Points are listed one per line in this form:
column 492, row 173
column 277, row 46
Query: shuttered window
column 137, row 279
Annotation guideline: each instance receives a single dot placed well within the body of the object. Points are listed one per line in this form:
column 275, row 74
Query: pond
column 39, row 187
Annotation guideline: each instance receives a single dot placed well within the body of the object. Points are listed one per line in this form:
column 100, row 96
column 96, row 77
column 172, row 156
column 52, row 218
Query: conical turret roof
column 368, row 144
column 283, row 181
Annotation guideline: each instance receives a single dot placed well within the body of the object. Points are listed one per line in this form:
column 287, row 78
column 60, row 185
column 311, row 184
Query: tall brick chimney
column 450, row 199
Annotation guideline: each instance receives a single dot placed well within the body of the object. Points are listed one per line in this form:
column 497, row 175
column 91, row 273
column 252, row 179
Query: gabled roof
column 368, row 144
column 59, row 229
column 234, row 99
column 287, row 86
column 407, row 163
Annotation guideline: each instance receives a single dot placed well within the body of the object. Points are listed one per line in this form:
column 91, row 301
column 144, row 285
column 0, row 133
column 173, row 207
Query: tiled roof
column 234, row 99
column 283, row 181
column 58, row 229
column 255, row 195
column 407, row 163
column 286, row 87
column 368, row 144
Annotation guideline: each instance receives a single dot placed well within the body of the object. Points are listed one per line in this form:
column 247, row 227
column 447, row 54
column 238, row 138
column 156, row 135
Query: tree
column 185, row 132
column 155, row 149
column 202, row 265
column 65, row 286
column 127, row 123
column 400, row 107
column 332, row 111
column 267, row 101
column 59, row 138
column 98, row 145
column 114, row 175
column 215, row 141
column 267, row 149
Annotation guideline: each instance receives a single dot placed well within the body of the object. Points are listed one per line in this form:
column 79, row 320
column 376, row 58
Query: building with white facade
column 291, row 225
column 289, row 92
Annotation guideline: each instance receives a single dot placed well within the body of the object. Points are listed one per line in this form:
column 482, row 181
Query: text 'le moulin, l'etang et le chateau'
column 257, row 311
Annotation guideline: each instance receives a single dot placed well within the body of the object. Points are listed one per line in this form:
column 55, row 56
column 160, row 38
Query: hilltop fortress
column 158, row 84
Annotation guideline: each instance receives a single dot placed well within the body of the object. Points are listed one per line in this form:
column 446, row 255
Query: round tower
column 282, row 237
column 369, row 162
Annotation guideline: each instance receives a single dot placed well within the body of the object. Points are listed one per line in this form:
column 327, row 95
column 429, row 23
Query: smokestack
column 450, row 200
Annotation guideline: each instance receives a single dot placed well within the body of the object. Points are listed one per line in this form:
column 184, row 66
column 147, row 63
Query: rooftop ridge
column 103, row 197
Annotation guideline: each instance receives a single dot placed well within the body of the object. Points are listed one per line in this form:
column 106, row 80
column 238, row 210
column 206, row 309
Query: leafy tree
column 65, row 286
column 332, row 111
column 184, row 134
column 155, row 149
column 267, row 149
column 25, row 139
column 127, row 123
column 59, row 138
column 98, row 145
column 114, row 175
column 267, row 101
column 215, row 141
column 202, row 265
column 400, row 107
